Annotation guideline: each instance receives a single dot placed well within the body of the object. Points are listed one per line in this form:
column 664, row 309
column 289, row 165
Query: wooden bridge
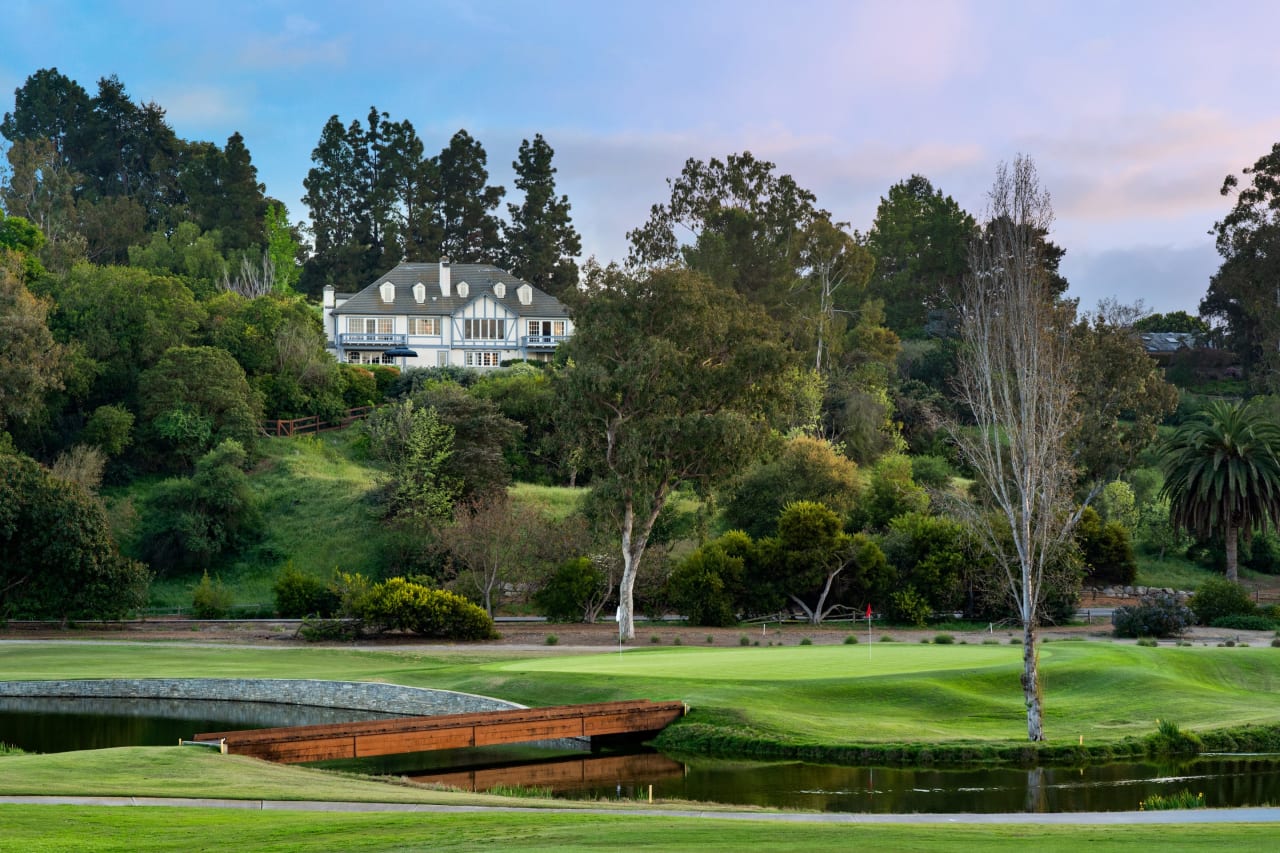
column 637, row 719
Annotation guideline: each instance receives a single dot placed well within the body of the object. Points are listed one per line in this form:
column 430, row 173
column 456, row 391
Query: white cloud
column 191, row 106
column 297, row 45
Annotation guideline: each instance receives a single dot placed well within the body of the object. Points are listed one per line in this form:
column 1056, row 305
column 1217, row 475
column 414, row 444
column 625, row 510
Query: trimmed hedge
column 400, row 605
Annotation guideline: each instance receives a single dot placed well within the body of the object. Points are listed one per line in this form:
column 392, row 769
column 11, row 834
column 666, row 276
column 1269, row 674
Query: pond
column 53, row 725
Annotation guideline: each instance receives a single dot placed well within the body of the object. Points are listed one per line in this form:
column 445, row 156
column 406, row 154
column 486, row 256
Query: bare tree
column 492, row 543
column 1016, row 376
column 254, row 280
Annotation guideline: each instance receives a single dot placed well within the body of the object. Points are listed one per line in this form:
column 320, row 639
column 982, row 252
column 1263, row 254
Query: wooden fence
column 314, row 424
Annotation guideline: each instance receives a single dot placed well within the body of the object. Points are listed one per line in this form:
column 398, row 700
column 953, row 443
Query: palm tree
column 1222, row 474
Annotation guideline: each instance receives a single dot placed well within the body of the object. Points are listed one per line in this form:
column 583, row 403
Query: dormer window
column 525, row 294
column 419, row 293
column 500, row 290
column 463, row 289
column 387, row 292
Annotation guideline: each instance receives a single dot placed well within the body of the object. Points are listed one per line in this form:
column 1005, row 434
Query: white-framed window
column 558, row 328
column 483, row 359
column 424, row 325
column 354, row 356
column 370, row 325
column 547, row 327
column 487, row 328
column 442, row 358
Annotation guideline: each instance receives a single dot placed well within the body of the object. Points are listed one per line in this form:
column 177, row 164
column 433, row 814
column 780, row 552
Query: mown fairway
column 883, row 692
column 49, row 828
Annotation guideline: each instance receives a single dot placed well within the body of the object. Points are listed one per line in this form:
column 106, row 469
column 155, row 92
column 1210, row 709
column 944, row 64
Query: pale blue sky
column 1133, row 111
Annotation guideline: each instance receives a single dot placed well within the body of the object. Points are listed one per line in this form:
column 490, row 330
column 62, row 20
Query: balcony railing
column 371, row 340
column 542, row 341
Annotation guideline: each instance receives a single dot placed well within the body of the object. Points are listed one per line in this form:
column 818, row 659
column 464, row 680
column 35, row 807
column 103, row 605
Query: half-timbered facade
column 429, row 315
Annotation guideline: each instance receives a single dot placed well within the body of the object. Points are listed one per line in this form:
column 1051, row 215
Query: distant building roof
column 1169, row 342
column 479, row 278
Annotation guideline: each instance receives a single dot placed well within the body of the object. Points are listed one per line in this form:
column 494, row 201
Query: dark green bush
column 1153, row 616
column 943, row 640
column 566, row 595
column 299, row 595
column 1250, row 622
column 932, row 471
column 328, row 630
column 1220, row 597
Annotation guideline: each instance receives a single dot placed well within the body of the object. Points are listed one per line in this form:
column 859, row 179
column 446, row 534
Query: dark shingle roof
column 480, row 279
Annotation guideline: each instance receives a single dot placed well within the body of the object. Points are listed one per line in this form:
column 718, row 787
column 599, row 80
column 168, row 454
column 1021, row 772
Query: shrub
column 210, row 599
column 552, row 639
column 909, row 606
column 400, row 605
column 943, row 640
column 744, row 640
column 1168, row 739
column 932, row 471
column 851, row 640
column 565, row 596
column 1220, row 597
column 1105, row 549
column 805, row 641
column 1148, row 641
column 1153, row 616
column 1244, row 623
column 299, row 595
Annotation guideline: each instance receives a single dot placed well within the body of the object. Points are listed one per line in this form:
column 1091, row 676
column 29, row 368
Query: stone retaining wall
column 355, row 695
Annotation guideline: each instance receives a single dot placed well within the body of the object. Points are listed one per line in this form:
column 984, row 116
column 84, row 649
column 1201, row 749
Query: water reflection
column 55, row 725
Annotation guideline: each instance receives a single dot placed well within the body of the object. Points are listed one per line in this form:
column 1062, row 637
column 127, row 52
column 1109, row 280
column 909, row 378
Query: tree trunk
column 627, row 585
column 1031, row 682
column 1232, row 537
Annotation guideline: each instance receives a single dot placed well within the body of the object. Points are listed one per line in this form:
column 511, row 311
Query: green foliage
column 541, row 243
column 920, row 240
column 934, row 556
column 190, row 522
column 123, row 320
column 298, row 595
column 279, row 341
column 934, row 472
column 1153, row 616
column 551, row 640
column 109, row 428
column 210, row 599
column 400, row 605
column 909, row 606
column 1218, row 598
column 805, row 468
column 1245, row 622
column 1168, row 739
column 31, row 363
column 57, row 559
column 943, row 640
column 850, row 640
column 707, row 585
column 1117, row 502
column 1105, row 549
column 892, row 493
column 482, row 438
column 1222, row 474
column 359, row 386
column 195, row 398
column 1183, row 799
column 416, row 447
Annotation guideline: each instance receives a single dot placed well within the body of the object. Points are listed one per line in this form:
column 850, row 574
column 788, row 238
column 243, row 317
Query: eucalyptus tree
column 670, row 380
column 1222, row 474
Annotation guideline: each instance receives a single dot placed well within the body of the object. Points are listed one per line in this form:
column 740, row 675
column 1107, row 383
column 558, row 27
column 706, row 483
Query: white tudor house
column 468, row 315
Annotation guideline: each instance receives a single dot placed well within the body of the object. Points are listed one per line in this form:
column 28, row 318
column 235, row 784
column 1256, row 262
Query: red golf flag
column 868, row 611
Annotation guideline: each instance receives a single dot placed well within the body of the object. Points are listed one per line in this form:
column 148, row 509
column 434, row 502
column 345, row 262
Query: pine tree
column 465, row 204
column 541, row 242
